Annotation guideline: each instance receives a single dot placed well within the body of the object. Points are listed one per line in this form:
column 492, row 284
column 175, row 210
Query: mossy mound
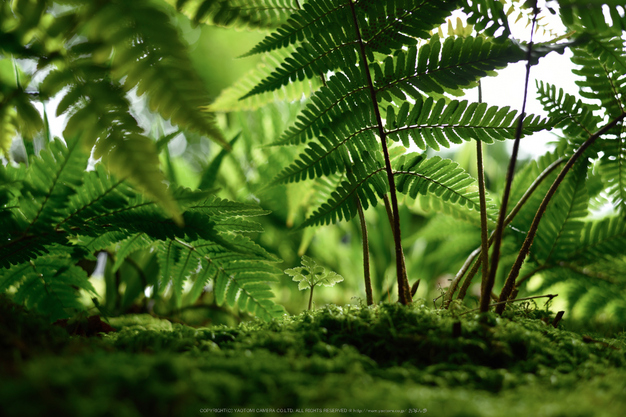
column 387, row 357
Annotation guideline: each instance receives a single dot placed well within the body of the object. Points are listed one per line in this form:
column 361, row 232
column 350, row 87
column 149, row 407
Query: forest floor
column 334, row 361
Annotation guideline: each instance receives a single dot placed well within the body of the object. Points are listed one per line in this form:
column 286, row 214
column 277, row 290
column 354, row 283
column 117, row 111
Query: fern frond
column 53, row 179
column 341, row 143
column 305, row 23
column 7, row 129
column 48, row 285
column 332, row 45
column 366, row 181
column 150, row 55
column 431, row 204
column 603, row 65
column 590, row 16
column 434, row 124
column 251, row 14
column 344, row 93
column 230, row 98
column 561, row 226
column 129, row 245
column 244, row 284
column 443, row 178
column 388, row 26
column 176, row 264
column 456, row 66
column 488, row 16
column 435, row 68
column 328, row 51
column 600, row 240
column 577, row 118
column 612, row 169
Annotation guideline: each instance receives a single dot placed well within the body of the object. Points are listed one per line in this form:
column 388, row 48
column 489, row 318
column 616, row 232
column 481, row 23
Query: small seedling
column 311, row 274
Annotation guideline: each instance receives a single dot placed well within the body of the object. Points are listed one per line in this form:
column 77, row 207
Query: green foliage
column 311, row 274
column 56, row 214
column 95, row 53
column 255, row 14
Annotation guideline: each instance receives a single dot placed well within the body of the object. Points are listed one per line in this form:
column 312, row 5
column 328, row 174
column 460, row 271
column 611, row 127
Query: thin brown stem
column 495, row 256
column 366, row 254
column 530, row 236
column 484, row 226
column 472, row 257
column 311, row 298
column 404, row 292
column 550, row 296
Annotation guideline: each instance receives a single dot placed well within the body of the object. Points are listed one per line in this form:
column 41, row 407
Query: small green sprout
column 311, row 274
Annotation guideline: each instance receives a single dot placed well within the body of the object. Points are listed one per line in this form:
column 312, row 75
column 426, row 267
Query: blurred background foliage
column 435, row 245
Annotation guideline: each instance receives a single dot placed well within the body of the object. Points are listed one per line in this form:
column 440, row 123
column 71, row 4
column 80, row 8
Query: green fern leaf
column 244, row 283
column 577, row 118
column 48, row 285
column 560, row 228
column 487, row 16
column 335, row 149
column 128, row 246
column 252, row 14
column 612, row 168
column 430, row 204
column 304, row 23
column 367, row 182
column 95, row 107
column 600, row 239
column 176, row 264
column 602, row 64
column 433, row 124
column 230, row 98
column 52, row 179
column 311, row 274
column 150, row 55
column 443, row 178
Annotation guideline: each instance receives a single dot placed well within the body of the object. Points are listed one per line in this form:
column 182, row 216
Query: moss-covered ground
column 337, row 360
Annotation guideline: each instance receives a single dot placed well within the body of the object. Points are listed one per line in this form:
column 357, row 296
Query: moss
column 380, row 358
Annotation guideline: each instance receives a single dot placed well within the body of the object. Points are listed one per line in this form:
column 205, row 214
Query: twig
column 550, row 296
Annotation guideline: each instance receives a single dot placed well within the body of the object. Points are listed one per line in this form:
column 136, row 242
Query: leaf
column 311, row 274
column 252, row 14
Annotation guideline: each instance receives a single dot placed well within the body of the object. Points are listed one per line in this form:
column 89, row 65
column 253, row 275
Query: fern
column 96, row 52
column 261, row 14
column 230, row 98
column 58, row 215
column 342, row 125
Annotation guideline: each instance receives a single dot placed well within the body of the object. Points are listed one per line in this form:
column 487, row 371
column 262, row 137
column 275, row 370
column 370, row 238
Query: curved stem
column 484, row 226
column 472, row 257
column 530, row 236
column 404, row 292
column 366, row 254
column 495, row 256
column 311, row 297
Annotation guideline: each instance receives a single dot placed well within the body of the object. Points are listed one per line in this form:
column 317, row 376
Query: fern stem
column 495, row 256
column 484, row 226
column 366, row 254
column 530, row 236
column 311, row 297
column 404, row 292
column 472, row 257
